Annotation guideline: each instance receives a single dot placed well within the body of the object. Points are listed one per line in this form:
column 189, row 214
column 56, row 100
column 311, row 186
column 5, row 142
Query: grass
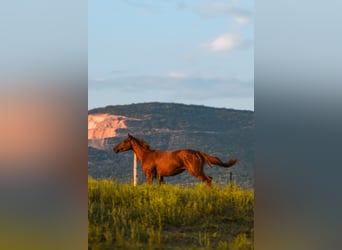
column 121, row 216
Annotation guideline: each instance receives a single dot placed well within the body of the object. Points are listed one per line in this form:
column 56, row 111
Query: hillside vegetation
column 221, row 132
column 121, row 216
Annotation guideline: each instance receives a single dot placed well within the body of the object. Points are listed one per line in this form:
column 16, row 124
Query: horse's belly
column 169, row 172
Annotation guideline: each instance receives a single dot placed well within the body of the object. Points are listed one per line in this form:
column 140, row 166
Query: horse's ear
column 129, row 135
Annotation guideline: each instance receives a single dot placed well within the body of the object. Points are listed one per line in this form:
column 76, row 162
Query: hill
column 168, row 126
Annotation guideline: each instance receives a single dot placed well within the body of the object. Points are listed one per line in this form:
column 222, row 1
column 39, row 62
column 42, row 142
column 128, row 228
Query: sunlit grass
column 169, row 216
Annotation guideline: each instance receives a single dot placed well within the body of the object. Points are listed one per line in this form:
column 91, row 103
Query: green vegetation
column 121, row 216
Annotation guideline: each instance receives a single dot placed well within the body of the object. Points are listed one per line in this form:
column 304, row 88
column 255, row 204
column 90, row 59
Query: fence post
column 231, row 177
column 135, row 172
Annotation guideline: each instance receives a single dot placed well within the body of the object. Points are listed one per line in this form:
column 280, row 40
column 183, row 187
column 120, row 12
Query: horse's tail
column 212, row 160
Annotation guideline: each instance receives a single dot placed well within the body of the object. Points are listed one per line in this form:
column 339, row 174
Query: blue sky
column 193, row 52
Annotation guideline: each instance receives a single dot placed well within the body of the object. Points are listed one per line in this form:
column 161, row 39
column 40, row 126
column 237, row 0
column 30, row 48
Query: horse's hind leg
column 195, row 168
column 209, row 179
column 204, row 178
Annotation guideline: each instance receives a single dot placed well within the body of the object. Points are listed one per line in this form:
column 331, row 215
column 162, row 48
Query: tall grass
column 121, row 216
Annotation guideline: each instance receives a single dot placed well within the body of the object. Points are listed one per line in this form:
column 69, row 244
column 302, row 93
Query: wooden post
column 135, row 172
column 231, row 177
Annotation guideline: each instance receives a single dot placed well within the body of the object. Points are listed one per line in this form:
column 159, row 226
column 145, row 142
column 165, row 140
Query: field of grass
column 121, row 216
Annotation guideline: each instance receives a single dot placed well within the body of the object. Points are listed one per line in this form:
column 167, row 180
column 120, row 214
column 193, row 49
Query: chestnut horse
column 157, row 164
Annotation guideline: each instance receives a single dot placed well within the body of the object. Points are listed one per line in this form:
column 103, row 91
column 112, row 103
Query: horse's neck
column 139, row 151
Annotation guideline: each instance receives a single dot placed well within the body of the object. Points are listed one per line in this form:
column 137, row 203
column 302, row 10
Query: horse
column 156, row 163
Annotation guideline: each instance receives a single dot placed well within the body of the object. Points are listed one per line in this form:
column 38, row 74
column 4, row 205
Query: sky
column 191, row 51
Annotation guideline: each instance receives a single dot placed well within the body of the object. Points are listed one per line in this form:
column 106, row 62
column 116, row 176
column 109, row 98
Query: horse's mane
column 142, row 143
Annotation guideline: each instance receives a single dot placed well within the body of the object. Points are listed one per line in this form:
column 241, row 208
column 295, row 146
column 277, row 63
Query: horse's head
column 123, row 146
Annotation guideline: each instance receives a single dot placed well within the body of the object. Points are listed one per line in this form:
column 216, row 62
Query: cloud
column 215, row 8
column 178, row 75
column 143, row 5
column 240, row 15
column 224, row 42
column 187, row 57
column 242, row 20
column 154, row 6
column 186, row 85
column 212, row 91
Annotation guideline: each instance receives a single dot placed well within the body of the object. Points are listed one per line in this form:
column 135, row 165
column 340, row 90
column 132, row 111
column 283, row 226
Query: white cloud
column 188, row 57
column 178, row 75
column 224, row 42
column 195, row 89
column 242, row 20
column 217, row 8
column 214, row 9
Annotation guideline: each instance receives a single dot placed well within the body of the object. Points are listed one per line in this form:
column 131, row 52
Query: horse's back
column 188, row 153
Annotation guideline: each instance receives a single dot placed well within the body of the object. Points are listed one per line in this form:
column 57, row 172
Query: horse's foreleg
column 149, row 179
column 150, row 176
column 160, row 179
